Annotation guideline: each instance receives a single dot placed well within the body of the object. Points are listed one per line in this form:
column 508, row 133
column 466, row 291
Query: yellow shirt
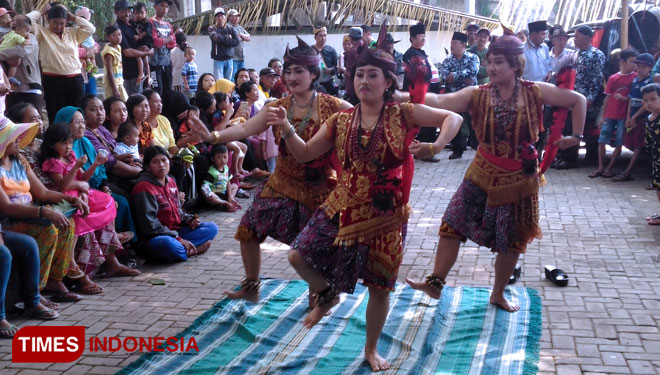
column 58, row 55
column 163, row 135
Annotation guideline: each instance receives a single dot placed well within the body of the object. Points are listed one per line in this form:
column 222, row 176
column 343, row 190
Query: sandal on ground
column 89, row 289
column 516, row 274
column 607, row 175
column 623, row 177
column 48, row 303
column 8, row 333
column 48, row 314
column 557, row 276
column 242, row 194
column 259, row 173
column 126, row 272
column 65, row 297
column 247, row 186
column 595, row 174
column 654, row 216
column 654, row 221
column 650, row 187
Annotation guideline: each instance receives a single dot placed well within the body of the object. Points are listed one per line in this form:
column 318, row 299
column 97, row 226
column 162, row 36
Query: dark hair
column 133, row 102
column 84, row 101
column 250, row 70
column 194, row 108
column 139, row 6
column 58, row 132
column 107, row 104
column 238, row 71
column 313, row 69
column 22, row 20
column 149, row 93
column 651, row 87
column 189, row 49
column 57, row 12
column 150, row 153
column 218, row 149
column 125, row 129
column 517, row 62
column 203, row 99
column 16, row 112
column 110, row 29
column 181, row 39
column 244, row 88
column 273, row 60
column 628, row 53
column 220, row 97
column 389, row 92
column 201, row 79
column 366, row 29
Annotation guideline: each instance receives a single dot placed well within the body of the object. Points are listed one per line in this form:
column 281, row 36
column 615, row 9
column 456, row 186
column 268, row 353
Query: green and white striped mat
column 459, row 334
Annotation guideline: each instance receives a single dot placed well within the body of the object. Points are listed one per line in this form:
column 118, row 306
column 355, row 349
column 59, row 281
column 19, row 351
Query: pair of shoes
column 650, row 187
column 565, row 165
column 48, row 314
column 432, row 159
column 242, row 194
column 455, row 155
column 8, row 333
column 557, row 276
column 608, row 174
column 595, row 174
column 653, row 219
column 65, row 297
column 623, row 177
column 247, row 186
column 516, row 274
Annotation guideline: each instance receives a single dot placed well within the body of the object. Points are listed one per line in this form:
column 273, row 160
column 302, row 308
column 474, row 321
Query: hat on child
column 10, row 132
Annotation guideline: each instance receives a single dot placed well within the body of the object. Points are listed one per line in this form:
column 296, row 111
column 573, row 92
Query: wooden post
column 624, row 24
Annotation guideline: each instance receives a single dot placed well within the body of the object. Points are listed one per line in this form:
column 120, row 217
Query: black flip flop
column 516, row 274
column 556, row 275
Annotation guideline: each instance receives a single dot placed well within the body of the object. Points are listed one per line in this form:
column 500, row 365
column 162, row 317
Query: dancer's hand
column 277, row 117
column 422, row 150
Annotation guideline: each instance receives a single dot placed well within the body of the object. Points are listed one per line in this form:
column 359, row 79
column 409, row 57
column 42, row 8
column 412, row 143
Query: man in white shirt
column 536, row 53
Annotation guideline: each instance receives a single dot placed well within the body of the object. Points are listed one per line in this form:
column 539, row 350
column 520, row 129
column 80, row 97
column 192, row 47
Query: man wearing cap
column 224, row 39
column 350, row 58
column 5, row 22
column 480, row 49
column 471, row 31
column 537, row 55
column 129, row 49
column 239, row 59
column 589, row 76
column 163, row 36
column 398, row 57
column 459, row 70
column 329, row 59
column 559, row 52
column 267, row 78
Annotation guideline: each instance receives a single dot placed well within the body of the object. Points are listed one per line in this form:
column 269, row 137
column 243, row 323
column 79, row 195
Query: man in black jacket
column 330, row 57
column 223, row 40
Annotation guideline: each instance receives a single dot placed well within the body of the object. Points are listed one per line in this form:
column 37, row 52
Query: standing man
column 559, row 51
column 471, row 31
column 480, row 49
column 163, row 35
column 589, row 71
column 398, row 58
column 366, row 36
column 459, row 71
column 355, row 33
column 224, row 39
column 243, row 36
column 329, row 59
column 129, row 52
column 537, row 55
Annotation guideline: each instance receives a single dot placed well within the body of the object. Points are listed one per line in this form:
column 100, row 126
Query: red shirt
column 618, row 84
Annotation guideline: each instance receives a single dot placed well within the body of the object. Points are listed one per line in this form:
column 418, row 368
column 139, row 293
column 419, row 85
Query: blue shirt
column 636, row 93
column 537, row 64
column 189, row 73
column 465, row 68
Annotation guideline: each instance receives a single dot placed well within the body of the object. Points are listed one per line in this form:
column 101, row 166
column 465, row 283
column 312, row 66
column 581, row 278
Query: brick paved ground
column 605, row 322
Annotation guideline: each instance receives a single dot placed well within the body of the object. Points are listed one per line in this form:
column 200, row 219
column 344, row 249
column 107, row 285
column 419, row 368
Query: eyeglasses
column 79, row 122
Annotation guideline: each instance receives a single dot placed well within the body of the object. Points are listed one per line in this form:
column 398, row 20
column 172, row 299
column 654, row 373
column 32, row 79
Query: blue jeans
column 238, row 64
column 24, row 248
column 612, row 132
column 223, row 69
column 168, row 249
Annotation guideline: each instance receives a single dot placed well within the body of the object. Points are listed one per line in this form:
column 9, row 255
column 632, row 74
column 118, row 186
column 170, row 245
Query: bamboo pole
column 624, row 24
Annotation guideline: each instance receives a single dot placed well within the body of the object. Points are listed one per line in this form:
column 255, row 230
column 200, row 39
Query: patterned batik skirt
column 502, row 228
column 280, row 218
column 375, row 262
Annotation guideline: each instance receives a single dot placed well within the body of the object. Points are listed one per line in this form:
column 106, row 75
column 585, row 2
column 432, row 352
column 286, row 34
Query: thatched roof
column 301, row 15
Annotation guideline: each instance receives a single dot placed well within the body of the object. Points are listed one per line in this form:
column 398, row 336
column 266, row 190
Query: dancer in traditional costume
column 497, row 203
column 292, row 193
column 358, row 232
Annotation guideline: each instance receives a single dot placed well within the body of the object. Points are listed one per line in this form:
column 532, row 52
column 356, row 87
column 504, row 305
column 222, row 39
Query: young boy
column 634, row 138
column 113, row 80
column 651, row 100
column 189, row 72
column 143, row 40
column 16, row 37
column 217, row 188
column 128, row 136
column 613, row 121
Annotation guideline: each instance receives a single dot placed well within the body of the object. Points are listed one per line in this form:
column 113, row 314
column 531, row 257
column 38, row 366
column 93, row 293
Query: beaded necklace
column 366, row 153
column 303, row 124
column 505, row 111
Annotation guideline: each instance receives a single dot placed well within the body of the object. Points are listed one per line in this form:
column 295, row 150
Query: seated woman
column 115, row 114
column 161, row 129
column 165, row 231
column 60, row 162
column 54, row 233
column 23, row 249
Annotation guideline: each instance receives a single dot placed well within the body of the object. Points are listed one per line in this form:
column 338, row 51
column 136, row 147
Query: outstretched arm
column 303, row 152
column 458, row 102
column 253, row 126
column 576, row 102
column 448, row 122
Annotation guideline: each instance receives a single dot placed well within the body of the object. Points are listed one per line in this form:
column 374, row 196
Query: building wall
column 263, row 48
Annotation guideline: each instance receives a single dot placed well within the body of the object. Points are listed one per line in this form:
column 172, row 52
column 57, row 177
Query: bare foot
column 121, row 270
column 377, row 362
column 55, row 286
column 244, row 295
column 48, row 303
column 424, row 287
column 201, row 249
column 503, row 303
column 319, row 312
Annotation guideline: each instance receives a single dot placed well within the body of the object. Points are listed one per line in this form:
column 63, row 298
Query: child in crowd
column 634, row 138
column 128, row 136
column 217, row 188
column 224, row 112
column 651, row 100
column 16, row 37
column 177, row 56
column 91, row 49
column 189, row 72
column 143, row 40
column 113, row 80
column 612, row 124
